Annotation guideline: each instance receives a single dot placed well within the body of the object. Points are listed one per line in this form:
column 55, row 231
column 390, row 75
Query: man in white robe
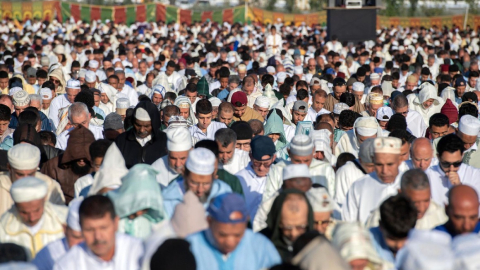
column 427, row 103
column 421, row 155
column 367, row 193
column 451, row 170
column 254, row 177
column 62, row 101
column 274, row 42
column 230, row 158
column 415, row 185
column 301, row 151
column 78, row 115
column 353, row 170
column 106, row 250
column 125, row 91
column 170, row 166
column 32, row 222
column 46, row 258
column 415, row 123
column 23, row 160
column 363, row 128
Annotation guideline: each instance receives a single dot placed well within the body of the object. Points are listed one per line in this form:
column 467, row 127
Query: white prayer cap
column 24, row 156
column 262, row 102
column 374, row 76
column 270, row 69
column 81, row 73
column 177, row 121
column 215, row 101
column 387, row 145
column 466, row 248
column 384, row 113
column 232, row 59
column 375, row 98
column 295, row 171
column 14, row 90
column 320, row 200
column 90, row 76
column 142, row 115
column 73, row 84
column 178, row 140
column 340, row 107
column 21, row 98
column 123, row 103
column 366, row 126
column 469, row 125
column 430, row 251
column 354, row 242
column 281, row 76
column 298, row 70
column 358, row 87
column 115, row 60
column 93, row 64
column 201, row 161
column 401, row 48
column 301, row 145
column 46, row 93
column 59, row 49
column 73, row 220
column 28, row 189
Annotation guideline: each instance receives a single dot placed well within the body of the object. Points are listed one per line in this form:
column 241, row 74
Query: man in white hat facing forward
column 367, row 193
column 62, row 101
column 23, row 161
column 32, row 222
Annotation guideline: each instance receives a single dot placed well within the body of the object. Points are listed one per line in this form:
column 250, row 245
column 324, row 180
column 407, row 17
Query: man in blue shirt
column 398, row 216
column 228, row 244
column 462, row 211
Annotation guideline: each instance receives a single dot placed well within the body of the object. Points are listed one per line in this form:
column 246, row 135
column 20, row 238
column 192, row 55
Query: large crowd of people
column 217, row 146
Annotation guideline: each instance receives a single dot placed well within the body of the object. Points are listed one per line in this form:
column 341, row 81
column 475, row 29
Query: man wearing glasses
column 451, row 171
column 415, row 123
column 199, row 177
column 254, row 177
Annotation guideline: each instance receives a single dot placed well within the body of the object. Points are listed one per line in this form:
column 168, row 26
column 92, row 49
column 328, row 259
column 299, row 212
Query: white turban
column 178, row 140
column 201, row 161
column 367, row 126
column 469, row 125
column 28, row 189
column 24, row 156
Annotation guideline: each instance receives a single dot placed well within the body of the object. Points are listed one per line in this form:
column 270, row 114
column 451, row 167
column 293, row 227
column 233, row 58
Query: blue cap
column 330, row 71
column 262, row 146
column 460, row 82
column 394, row 94
column 228, row 208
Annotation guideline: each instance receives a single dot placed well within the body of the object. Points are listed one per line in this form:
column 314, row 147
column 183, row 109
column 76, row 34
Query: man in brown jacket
column 74, row 163
column 339, row 87
column 241, row 111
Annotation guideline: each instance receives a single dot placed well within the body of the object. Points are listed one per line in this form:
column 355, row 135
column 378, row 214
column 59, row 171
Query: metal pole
column 466, row 18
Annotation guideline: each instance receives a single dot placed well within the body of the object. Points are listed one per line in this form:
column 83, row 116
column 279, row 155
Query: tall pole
column 466, row 17
column 246, row 10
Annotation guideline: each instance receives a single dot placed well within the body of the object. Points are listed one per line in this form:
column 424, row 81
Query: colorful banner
column 62, row 11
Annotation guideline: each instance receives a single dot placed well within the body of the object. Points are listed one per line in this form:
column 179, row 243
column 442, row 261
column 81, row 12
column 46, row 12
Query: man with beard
column 231, row 159
column 199, row 177
column 144, row 143
column 170, row 166
column 73, row 163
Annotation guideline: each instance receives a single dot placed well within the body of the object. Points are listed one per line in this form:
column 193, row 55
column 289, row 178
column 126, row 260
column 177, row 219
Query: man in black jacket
column 144, row 143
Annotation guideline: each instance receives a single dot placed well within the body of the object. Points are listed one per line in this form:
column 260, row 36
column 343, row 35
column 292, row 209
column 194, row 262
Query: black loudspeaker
column 352, row 25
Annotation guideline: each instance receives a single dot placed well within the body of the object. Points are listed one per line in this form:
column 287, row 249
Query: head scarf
column 162, row 80
column 275, row 125
column 58, row 74
column 139, row 191
column 112, row 170
column 191, row 120
column 273, row 231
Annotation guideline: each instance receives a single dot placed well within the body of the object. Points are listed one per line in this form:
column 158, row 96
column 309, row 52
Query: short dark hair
column 115, row 77
column 191, row 87
column 225, row 137
column 256, row 125
column 224, row 72
column 171, row 64
column 469, row 109
column 99, row 148
column 171, row 96
column 344, row 158
column 10, row 252
column 450, row 143
column 204, row 106
column 96, row 207
column 397, row 121
column 474, row 74
column 171, row 110
column 285, row 89
column 268, row 79
column 47, row 137
column 5, row 113
column 438, row 120
column 302, row 94
column 403, row 135
column 348, row 98
column 208, row 144
column 42, row 74
column 29, row 117
column 3, row 74
column 348, row 117
column 398, row 216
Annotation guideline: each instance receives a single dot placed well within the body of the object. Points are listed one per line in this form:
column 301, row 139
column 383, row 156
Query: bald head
column 421, row 153
column 462, row 209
